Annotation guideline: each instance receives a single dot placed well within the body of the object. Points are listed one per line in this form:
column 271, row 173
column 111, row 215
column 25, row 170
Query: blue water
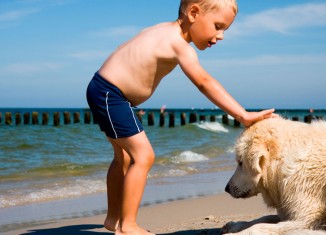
column 46, row 163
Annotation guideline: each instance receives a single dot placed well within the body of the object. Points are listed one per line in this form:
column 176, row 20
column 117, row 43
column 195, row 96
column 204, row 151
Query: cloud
column 281, row 20
column 127, row 31
column 16, row 14
column 279, row 60
column 29, row 68
column 89, row 55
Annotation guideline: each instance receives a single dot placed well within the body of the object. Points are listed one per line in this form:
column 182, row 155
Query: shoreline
column 156, row 192
column 203, row 214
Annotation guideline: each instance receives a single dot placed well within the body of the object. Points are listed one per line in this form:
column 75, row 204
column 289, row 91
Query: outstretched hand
column 252, row 117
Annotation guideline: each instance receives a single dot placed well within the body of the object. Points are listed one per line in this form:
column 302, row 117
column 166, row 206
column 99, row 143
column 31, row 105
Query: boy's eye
column 217, row 27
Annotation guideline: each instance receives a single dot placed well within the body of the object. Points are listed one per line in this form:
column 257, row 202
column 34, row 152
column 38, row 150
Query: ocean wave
column 57, row 169
column 229, row 117
column 189, row 156
column 230, row 149
column 55, row 191
column 212, row 126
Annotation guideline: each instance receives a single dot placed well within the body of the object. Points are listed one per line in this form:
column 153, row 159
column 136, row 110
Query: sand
column 202, row 215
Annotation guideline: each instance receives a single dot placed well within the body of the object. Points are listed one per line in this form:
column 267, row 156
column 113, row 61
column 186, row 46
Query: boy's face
column 208, row 28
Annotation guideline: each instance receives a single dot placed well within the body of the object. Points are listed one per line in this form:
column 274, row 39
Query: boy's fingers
column 274, row 115
column 269, row 113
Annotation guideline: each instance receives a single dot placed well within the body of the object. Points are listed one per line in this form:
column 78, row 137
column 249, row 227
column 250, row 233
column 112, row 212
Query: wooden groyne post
column 150, row 119
column 183, row 118
column 225, row 119
column 308, row 119
column 76, row 117
column 35, row 118
column 18, row 119
column 162, row 119
column 192, row 118
column 45, row 118
column 87, row 117
column 236, row 123
column 140, row 117
column 8, row 118
column 171, row 119
column 66, row 118
column 202, row 118
column 296, row 119
column 26, row 118
column 56, row 119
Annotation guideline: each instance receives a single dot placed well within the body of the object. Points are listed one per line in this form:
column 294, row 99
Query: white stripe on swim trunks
column 133, row 115
column 107, row 110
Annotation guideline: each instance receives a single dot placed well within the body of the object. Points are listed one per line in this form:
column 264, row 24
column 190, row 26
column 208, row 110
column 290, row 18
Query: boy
column 130, row 76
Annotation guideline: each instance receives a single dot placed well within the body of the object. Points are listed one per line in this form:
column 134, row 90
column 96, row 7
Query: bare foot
column 111, row 224
column 133, row 231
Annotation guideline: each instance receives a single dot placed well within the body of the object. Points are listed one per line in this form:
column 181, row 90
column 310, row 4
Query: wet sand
column 202, row 215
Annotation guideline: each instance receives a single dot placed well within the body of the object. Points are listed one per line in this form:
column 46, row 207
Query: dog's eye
column 240, row 163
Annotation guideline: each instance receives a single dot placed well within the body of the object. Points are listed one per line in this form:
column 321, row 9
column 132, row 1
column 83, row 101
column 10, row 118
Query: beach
column 200, row 215
column 53, row 177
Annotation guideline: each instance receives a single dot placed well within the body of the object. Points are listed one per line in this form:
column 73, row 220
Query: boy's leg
column 142, row 158
column 114, row 181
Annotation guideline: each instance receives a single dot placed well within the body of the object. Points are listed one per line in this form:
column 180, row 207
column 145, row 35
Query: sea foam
column 212, row 126
column 189, row 156
column 52, row 192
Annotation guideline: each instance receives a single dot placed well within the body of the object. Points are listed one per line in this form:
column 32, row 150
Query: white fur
column 285, row 161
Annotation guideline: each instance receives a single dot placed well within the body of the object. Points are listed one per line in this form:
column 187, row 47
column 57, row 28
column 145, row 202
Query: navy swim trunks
column 111, row 109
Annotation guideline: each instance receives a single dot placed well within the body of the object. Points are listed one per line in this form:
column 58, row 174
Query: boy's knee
column 147, row 160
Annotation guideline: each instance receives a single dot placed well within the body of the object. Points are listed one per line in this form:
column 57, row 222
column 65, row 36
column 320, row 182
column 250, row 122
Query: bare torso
column 138, row 66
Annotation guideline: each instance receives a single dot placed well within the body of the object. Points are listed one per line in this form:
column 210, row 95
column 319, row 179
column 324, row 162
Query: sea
column 51, row 172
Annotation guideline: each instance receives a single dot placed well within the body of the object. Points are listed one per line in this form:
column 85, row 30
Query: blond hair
column 208, row 5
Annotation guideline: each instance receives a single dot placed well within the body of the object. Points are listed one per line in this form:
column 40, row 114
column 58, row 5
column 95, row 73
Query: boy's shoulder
column 169, row 32
column 168, row 29
column 163, row 35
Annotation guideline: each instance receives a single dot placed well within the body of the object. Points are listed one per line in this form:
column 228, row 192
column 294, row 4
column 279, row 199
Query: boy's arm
column 213, row 90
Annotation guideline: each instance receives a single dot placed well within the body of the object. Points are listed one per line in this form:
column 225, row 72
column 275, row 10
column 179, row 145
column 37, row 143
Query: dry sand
column 203, row 215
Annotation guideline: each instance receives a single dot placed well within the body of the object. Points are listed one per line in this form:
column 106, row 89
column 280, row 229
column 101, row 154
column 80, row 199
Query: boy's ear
column 193, row 12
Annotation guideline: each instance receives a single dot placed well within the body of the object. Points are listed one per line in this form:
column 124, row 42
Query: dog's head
column 254, row 150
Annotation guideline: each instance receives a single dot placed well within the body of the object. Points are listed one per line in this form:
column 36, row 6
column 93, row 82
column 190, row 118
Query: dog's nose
column 227, row 188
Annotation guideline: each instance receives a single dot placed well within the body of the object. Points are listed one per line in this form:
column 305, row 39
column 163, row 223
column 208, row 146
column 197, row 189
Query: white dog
column 285, row 161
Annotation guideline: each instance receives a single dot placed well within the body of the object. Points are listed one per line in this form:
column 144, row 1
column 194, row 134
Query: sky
column 272, row 56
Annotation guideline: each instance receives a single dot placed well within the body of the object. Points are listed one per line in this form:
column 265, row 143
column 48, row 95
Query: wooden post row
column 34, row 118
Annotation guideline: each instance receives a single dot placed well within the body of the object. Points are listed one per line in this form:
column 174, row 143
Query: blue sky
column 273, row 56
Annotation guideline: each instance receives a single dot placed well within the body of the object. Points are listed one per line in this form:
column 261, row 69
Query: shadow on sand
column 84, row 230
column 68, row 230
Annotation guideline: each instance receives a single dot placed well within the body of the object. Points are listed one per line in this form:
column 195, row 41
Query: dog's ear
column 258, row 168
column 257, row 153
column 264, row 153
column 259, row 158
